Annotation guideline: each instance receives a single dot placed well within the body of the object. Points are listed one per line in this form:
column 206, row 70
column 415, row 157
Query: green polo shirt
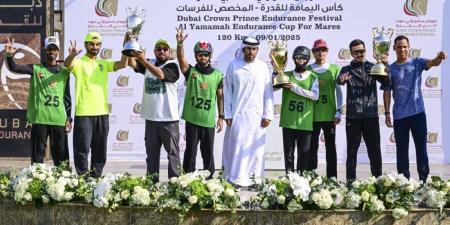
column 91, row 86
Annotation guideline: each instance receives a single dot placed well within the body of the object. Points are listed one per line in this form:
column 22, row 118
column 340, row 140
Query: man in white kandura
column 248, row 96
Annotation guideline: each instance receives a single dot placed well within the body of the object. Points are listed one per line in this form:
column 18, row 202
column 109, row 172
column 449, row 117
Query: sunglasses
column 359, row 52
column 158, row 49
column 203, row 55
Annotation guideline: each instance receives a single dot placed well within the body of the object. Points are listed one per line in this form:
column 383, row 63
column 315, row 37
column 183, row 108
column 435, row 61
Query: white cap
column 52, row 40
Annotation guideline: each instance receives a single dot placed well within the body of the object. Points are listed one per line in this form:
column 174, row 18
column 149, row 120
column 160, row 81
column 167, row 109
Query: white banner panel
column 225, row 23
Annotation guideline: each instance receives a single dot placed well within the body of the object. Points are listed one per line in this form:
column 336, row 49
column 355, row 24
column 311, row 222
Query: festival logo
column 122, row 81
column 414, row 53
column 392, row 138
column 53, row 83
column 432, row 137
column 415, row 7
column 14, row 86
column 431, row 82
column 106, row 8
column 106, row 53
column 137, row 108
column 344, row 54
column 122, row 135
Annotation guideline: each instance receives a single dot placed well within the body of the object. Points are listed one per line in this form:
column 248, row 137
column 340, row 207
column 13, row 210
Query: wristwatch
column 221, row 117
column 339, row 110
column 387, row 113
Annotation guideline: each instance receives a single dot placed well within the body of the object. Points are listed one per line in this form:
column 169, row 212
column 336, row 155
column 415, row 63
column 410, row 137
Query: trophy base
column 280, row 80
column 131, row 52
column 378, row 70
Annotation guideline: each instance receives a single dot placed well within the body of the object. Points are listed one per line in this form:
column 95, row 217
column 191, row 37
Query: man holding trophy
column 362, row 108
column 409, row 110
column 248, row 98
column 296, row 117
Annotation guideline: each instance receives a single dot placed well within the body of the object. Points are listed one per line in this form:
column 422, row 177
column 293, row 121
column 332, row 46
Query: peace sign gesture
column 10, row 49
column 180, row 35
column 73, row 50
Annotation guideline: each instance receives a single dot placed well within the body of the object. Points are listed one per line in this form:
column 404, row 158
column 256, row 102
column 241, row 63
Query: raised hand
column 180, row 35
column 442, row 55
column 345, row 77
column 10, row 49
column 73, row 50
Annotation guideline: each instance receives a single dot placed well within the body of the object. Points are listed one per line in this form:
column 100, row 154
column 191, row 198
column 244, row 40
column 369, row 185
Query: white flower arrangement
column 435, row 193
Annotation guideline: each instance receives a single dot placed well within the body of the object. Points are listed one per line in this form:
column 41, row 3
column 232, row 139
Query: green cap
column 93, row 37
column 162, row 42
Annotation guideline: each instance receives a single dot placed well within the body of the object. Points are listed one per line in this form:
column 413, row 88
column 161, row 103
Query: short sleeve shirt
column 406, row 81
column 91, row 86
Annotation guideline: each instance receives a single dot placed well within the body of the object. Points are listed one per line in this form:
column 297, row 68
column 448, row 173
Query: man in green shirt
column 91, row 106
column 297, row 107
column 204, row 89
column 49, row 102
column 327, row 109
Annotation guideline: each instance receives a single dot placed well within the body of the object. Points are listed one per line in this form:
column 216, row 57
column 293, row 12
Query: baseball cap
column 320, row 43
column 93, row 37
column 162, row 42
column 51, row 40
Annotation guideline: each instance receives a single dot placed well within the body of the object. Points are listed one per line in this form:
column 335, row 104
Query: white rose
column 28, row 197
column 125, row 194
column 183, row 183
column 356, row 184
column 398, row 213
column 192, row 199
column 41, row 176
column 229, row 192
column 365, row 196
column 265, row 204
column 387, row 182
column 281, row 199
column 45, row 199
column 173, row 180
column 410, row 188
column 65, row 173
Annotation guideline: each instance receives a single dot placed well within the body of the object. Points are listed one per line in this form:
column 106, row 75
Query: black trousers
column 168, row 135
column 204, row 135
column 90, row 133
column 58, row 138
column 329, row 133
column 302, row 138
column 370, row 130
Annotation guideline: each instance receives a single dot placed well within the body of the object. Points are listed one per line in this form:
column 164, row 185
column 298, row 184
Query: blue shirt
column 406, row 82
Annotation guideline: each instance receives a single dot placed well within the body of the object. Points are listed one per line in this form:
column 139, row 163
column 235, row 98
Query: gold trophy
column 278, row 54
column 381, row 45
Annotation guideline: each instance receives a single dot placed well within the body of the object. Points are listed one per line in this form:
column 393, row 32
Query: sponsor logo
column 432, row 137
column 432, row 82
column 53, row 83
column 414, row 53
column 137, row 108
column 106, row 8
column 122, row 81
column 122, row 135
column 106, row 53
column 392, row 138
column 344, row 53
column 415, row 7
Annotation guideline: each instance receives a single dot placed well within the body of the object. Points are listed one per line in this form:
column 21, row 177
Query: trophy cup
column 381, row 45
column 278, row 54
column 135, row 20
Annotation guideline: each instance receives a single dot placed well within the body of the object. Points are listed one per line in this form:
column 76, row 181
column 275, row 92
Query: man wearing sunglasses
column 409, row 110
column 327, row 109
column 160, row 107
column 204, row 89
column 362, row 109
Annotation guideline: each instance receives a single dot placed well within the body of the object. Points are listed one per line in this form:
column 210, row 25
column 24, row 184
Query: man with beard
column 204, row 89
column 91, row 103
column 409, row 110
column 327, row 109
column 49, row 87
column 160, row 107
column 362, row 109
column 297, row 107
column 248, row 97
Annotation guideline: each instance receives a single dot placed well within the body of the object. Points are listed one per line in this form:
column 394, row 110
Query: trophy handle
column 143, row 12
column 128, row 11
column 375, row 31
column 390, row 32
